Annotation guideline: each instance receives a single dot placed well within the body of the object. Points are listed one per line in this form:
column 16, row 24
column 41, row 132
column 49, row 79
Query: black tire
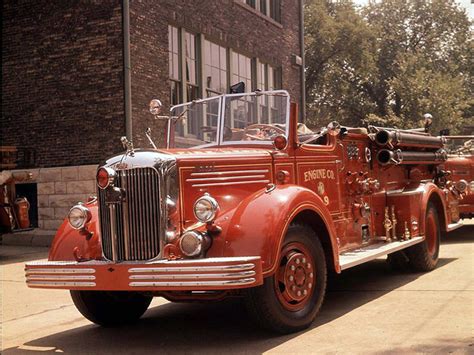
column 424, row 256
column 398, row 261
column 265, row 302
column 111, row 308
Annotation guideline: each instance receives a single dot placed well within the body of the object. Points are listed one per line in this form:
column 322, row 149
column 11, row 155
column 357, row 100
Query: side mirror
column 333, row 128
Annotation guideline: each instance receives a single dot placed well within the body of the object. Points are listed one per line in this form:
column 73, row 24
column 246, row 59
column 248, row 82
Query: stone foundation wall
column 59, row 189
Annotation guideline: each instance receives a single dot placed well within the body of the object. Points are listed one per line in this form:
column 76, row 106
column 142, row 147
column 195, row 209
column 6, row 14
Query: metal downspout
column 127, row 68
column 303, row 80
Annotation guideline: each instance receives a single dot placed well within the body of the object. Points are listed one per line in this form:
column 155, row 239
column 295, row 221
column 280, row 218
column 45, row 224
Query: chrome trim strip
column 236, row 275
column 125, row 213
column 227, row 178
column 55, row 284
column 113, row 231
column 402, row 193
column 238, row 267
column 231, row 172
column 59, row 271
column 231, row 183
column 245, row 281
column 33, row 277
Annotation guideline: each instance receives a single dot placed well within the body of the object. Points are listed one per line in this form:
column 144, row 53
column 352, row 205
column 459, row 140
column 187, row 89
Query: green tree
column 403, row 58
column 337, row 52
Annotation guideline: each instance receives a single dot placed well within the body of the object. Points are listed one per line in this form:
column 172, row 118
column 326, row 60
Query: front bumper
column 161, row 275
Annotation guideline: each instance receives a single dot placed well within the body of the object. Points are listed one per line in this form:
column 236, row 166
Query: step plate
column 454, row 226
column 359, row 256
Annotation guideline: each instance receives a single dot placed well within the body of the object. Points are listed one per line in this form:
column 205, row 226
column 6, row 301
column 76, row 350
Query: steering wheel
column 266, row 131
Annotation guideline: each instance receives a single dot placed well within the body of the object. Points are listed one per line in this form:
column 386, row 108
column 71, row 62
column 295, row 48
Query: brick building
column 78, row 75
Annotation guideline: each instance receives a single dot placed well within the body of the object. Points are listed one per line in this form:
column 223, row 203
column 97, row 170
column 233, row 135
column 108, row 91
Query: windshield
column 230, row 119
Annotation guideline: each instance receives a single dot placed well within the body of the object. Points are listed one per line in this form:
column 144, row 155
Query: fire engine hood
column 230, row 175
column 198, row 157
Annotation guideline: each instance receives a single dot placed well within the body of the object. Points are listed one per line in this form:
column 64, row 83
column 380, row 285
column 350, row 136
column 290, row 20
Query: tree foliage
column 388, row 63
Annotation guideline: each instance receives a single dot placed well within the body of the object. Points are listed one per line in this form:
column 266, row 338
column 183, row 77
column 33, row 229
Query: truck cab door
column 317, row 168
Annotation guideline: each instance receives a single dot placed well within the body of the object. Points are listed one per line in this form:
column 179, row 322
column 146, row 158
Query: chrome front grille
column 136, row 220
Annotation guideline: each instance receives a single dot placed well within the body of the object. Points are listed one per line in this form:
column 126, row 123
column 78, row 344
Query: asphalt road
column 368, row 309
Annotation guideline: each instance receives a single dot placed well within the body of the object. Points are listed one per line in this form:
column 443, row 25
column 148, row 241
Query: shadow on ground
column 463, row 235
column 225, row 327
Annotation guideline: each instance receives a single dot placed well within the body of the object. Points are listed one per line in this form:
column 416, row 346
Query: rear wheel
column 111, row 308
column 289, row 300
column 424, row 256
column 398, row 260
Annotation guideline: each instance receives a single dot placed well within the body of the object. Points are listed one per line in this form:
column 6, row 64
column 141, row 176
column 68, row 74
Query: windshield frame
column 221, row 112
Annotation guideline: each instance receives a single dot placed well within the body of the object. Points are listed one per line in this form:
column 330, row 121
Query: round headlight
column 78, row 216
column 205, row 208
column 191, row 243
column 105, row 177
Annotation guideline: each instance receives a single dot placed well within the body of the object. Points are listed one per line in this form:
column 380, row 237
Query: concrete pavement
column 368, row 309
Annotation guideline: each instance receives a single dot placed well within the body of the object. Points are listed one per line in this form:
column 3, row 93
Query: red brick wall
column 62, row 79
column 62, row 67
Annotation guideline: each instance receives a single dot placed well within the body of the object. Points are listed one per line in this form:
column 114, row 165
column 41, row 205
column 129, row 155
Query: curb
column 33, row 238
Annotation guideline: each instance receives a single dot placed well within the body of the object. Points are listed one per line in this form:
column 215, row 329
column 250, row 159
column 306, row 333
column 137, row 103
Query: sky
column 464, row 3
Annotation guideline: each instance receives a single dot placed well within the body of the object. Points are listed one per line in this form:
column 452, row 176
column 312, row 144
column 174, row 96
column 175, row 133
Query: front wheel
column 289, row 300
column 111, row 308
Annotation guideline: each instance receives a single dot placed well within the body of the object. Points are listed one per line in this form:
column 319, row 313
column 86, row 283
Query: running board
column 359, row 256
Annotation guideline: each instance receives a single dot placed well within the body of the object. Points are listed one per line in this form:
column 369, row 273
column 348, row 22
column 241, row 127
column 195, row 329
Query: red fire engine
column 256, row 205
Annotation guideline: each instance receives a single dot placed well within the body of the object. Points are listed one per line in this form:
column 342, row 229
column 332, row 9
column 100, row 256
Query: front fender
column 259, row 224
column 432, row 192
column 71, row 244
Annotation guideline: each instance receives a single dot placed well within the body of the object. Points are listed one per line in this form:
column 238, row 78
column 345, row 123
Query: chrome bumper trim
column 33, row 277
column 239, row 267
column 61, row 271
column 59, row 284
column 220, row 273
column 194, row 276
column 246, row 281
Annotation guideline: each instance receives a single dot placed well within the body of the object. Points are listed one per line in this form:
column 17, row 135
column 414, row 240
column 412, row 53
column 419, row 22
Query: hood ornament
column 128, row 145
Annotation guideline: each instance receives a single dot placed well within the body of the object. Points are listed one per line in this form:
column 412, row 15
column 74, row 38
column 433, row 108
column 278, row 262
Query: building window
column 270, row 8
column 242, row 70
column 215, row 69
column 191, row 68
column 261, row 76
column 192, row 88
column 275, row 10
column 262, row 84
column 263, row 6
column 215, row 76
column 274, row 83
column 174, row 65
